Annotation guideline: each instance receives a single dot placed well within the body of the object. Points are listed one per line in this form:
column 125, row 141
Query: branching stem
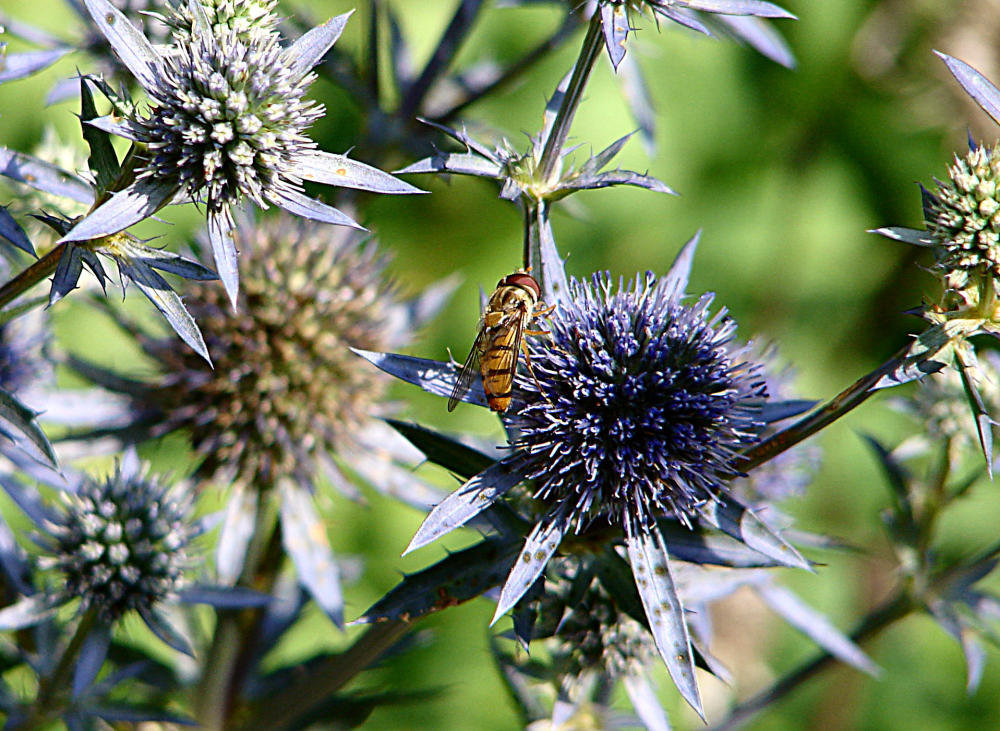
column 844, row 402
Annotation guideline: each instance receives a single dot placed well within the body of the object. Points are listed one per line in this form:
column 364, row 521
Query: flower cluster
column 964, row 219
column 227, row 122
column 638, row 408
column 121, row 545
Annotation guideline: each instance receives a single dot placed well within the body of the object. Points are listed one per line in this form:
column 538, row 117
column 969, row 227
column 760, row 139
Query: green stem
column 551, row 276
column 283, row 709
column 841, row 404
column 589, row 52
column 237, row 631
column 46, row 706
column 876, row 621
column 31, row 276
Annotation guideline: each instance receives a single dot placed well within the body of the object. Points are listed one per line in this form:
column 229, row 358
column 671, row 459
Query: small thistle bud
column 285, row 388
column 121, row 545
column 790, row 472
column 963, row 219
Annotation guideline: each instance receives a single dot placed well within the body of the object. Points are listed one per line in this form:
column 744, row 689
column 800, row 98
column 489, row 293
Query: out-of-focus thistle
column 23, row 341
column 121, row 546
column 227, row 122
column 941, row 406
column 25, row 374
column 632, row 422
column 115, row 547
column 286, row 395
column 790, row 472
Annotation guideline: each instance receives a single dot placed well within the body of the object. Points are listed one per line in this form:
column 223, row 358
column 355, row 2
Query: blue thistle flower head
column 637, row 406
column 121, row 544
column 630, row 419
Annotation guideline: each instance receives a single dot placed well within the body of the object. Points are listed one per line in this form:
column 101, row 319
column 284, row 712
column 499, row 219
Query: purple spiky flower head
column 632, row 415
column 638, row 408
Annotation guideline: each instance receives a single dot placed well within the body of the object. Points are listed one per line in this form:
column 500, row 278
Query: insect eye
column 522, row 279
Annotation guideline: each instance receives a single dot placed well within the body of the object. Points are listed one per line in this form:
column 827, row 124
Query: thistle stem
column 841, row 404
column 876, row 621
column 285, row 708
column 237, row 631
column 31, row 276
column 589, row 52
column 540, row 254
column 46, row 706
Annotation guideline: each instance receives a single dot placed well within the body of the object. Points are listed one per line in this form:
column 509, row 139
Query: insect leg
column 531, row 370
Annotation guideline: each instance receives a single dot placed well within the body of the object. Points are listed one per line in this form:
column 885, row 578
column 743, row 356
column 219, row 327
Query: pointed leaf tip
column 466, row 502
column 312, row 46
column 680, row 270
column 614, row 26
column 650, row 566
column 982, row 91
column 128, row 43
column 12, row 232
column 538, row 549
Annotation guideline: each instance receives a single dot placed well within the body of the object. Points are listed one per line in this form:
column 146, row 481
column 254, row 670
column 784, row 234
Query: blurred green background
column 784, row 171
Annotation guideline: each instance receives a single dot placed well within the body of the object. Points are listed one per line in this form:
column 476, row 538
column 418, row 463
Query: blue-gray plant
column 646, row 452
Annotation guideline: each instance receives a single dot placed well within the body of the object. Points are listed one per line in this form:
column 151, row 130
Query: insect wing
column 500, row 358
column 468, row 373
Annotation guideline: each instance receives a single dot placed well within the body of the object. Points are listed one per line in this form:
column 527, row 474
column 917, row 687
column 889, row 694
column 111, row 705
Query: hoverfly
column 509, row 310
